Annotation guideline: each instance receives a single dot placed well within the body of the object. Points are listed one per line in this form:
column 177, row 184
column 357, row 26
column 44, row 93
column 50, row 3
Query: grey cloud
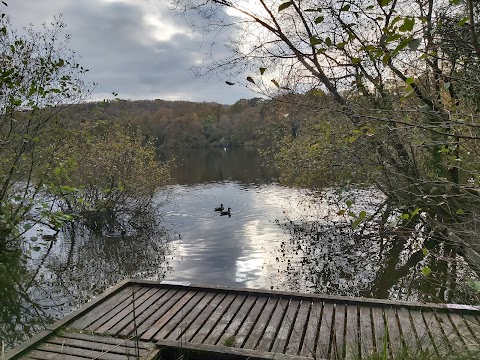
column 123, row 54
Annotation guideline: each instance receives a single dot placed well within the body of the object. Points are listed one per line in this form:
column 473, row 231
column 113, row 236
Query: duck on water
column 226, row 212
column 219, row 208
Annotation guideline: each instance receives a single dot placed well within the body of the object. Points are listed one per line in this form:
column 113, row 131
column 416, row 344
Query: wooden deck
column 141, row 319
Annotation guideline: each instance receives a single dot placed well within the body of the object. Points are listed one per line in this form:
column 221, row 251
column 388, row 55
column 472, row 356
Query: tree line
column 174, row 124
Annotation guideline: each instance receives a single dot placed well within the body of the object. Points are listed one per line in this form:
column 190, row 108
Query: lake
column 276, row 238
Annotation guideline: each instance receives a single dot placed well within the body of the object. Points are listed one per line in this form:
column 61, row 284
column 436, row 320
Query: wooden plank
column 286, row 328
column 449, row 331
column 224, row 321
column 152, row 306
column 169, row 350
column 473, row 325
column 97, row 311
column 312, row 329
column 45, row 355
column 139, row 310
column 295, row 342
column 158, row 311
column 338, row 346
column 116, row 309
column 110, row 327
column 238, row 320
column 250, row 321
column 395, row 343
column 407, row 331
column 29, row 344
column 176, row 320
column 211, row 322
column 325, row 336
column 379, row 330
column 93, row 345
column 317, row 297
column 421, row 331
column 258, row 329
column 465, row 331
column 435, row 332
column 352, row 333
column 190, row 318
column 197, row 324
column 106, row 340
column 58, row 351
column 273, row 326
column 168, row 315
column 367, row 334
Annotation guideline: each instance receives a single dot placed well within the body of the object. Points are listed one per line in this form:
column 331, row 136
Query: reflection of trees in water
column 20, row 316
column 67, row 272
column 327, row 256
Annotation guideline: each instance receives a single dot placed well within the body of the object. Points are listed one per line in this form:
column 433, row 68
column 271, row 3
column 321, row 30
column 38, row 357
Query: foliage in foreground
column 392, row 89
column 53, row 171
column 37, row 74
column 109, row 177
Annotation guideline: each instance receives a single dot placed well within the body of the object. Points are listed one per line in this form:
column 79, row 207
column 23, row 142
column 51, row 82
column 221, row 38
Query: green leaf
column 405, row 216
column 315, row 41
column 386, row 59
column 250, row 79
column 416, row 212
column 425, row 251
column 348, row 203
column 262, row 70
column 345, row 8
column 475, row 285
column 284, row 5
column 426, row 271
column 394, row 37
column 328, row 41
column 275, row 83
column 362, row 215
column 383, row 2
column 460, row 212
column 414, row 44
column 341, row 212
column 410, row 92
column 410, row 80
column 463, row 21
column 319, row 19
column 356, row 223
column 408, row 24
column 36, row 248
column 356, row 60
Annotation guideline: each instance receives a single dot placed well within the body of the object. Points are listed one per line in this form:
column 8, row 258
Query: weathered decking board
column 253, row 321
column 74, row 346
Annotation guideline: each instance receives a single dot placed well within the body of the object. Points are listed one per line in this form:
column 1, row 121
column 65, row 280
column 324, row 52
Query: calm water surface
column 277, row 237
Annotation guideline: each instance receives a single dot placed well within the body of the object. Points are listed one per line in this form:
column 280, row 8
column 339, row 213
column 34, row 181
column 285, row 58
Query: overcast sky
column 139, row 49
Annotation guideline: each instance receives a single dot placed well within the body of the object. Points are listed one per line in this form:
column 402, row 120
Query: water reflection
column 288, row 239
column 198, row 166
column 231, row 251
column 47, row 280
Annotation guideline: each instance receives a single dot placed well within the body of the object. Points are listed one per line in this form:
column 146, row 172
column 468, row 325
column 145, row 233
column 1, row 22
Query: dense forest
column 182, row 123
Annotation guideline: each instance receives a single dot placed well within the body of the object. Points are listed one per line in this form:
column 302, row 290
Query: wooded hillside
column 183, row 123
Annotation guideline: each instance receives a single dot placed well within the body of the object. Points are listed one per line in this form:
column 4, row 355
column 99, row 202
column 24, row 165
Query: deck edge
column 51, row 329
column 219, row 352
column 323, row 297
